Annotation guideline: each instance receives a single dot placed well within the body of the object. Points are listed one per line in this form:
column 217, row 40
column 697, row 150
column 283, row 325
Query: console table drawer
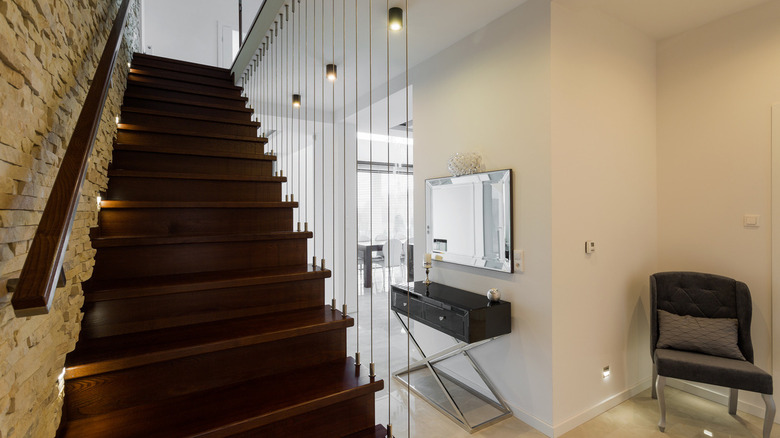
column 400, row 303
column 448, row 321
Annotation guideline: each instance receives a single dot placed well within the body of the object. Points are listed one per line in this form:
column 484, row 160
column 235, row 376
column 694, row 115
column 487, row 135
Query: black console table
column 472, row 320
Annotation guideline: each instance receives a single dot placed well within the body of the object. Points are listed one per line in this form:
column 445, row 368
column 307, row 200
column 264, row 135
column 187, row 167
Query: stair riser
column 143, row 261
column 182, row 77
column 151, row 161
column 183, row 123
column 123, row 188
column 163, row 65
column 132, row 315
column 188, row 221
column 187, row 141
column 139, row 89
column 343, row 418
column 126, row 388
column 174, row 84
column 179, row 108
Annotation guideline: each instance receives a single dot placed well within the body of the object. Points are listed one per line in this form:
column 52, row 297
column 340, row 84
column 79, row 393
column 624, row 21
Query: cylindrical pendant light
column 395, row 19
column 330, row 72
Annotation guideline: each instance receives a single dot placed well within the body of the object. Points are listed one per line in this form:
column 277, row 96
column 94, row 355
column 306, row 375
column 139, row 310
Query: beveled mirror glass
column 468, row 220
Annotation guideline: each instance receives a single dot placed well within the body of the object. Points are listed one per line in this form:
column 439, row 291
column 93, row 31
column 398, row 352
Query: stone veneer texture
column 49, row 50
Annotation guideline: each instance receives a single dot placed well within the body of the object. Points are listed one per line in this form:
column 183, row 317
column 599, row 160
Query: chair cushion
column 715, row 336
column 721, row 371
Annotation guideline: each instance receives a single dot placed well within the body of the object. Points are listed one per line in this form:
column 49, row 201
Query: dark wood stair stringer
column 203, row 316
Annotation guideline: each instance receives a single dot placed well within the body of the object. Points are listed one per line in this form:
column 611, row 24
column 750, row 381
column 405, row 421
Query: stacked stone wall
column 49, row 50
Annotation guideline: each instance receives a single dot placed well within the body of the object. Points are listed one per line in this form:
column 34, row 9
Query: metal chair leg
column 733, row 397
column 660, row 383
column 653, row 394
column 769, row 416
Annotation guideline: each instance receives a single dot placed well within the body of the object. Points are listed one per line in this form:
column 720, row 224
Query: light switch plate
column 590, row 247
column 519, row 260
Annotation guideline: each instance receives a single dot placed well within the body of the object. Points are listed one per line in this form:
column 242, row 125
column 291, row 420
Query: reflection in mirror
column 469, row 219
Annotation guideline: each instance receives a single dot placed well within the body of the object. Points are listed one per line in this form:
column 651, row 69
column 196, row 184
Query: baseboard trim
column 536, row 423
column 599, row 408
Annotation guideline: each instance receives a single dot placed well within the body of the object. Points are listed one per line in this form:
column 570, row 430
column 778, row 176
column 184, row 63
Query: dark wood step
column 277, row 405
column 183, row 93
column 186, row 122
column 141, row 157
column 129, row 257
column 258, row 141
column 183, row 77
column 136, row 80
column 118, row 219
column 176, row 65
column 130, row 134
column 136, row 314
column 276, row 343
column 377, row 431
column 137, row 185
column 182, row 106
column 96, row 290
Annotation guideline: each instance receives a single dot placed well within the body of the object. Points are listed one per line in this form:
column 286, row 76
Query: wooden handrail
column 35, row 290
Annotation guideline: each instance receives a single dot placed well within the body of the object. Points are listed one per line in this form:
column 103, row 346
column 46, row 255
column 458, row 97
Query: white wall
column 187, row 29
column 490, row 93
column 716, row 85
column 603, row 189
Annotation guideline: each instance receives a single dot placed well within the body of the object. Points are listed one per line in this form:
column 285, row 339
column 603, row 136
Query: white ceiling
column 665, row 18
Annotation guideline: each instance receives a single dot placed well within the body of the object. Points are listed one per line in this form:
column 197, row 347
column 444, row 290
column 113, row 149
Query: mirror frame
column 503, row 264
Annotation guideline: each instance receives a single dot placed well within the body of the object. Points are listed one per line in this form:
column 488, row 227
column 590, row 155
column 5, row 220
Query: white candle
column 428, row 258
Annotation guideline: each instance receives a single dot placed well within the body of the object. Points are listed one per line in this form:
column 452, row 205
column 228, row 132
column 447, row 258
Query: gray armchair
column 690, row 294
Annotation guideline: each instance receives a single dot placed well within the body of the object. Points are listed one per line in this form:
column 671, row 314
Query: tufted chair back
column 703, row 296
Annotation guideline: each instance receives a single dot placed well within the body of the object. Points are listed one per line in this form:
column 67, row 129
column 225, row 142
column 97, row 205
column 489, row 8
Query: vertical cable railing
column 290, row 100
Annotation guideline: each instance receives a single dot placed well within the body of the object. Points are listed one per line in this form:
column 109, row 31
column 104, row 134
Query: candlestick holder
column 427, row 266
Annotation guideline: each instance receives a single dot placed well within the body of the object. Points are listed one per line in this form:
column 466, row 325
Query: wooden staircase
column 202, row 316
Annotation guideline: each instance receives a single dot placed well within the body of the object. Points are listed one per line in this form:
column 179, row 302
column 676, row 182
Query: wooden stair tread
column 101, row 290
column 164, row 60
column 201, row 176
column 196, row 204
column 136, row 95
column 106, row 242
column 154, row 112
column 197, row 152
column 149, row 71
column 134, row 82
column 100, row 355
column 377, row 431
column 128, row 127
column 237, row 408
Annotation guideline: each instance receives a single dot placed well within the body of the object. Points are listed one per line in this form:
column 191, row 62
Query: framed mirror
column 468, row 220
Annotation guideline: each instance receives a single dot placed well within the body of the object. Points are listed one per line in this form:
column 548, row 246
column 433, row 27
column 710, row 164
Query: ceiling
column 665, row 18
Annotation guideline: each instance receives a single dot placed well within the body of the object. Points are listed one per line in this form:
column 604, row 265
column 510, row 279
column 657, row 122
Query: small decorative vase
column 494, row 295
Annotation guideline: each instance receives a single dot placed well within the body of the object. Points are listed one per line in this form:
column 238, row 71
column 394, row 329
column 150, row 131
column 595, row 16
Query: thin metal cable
column 344, row 146
column 357, row 211
column 371, row 158
column 314, row 143
column 333, row 151
column 300, row 108
column 388, row 261
column 306, row 120
column 408, row 227
column 322, row 161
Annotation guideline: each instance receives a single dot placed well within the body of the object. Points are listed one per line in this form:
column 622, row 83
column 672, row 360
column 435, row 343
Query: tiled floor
column 687, row 415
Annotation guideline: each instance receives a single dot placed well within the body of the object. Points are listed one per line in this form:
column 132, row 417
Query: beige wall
column 716, row 85
column 603, row 189
column 48, row 53
column 490, row 93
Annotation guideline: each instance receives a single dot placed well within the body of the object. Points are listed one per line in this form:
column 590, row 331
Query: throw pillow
column 715, row 336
